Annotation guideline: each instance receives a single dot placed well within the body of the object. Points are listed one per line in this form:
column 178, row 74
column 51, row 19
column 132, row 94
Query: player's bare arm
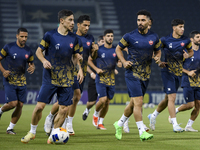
column 190, row 73
column 31, row 68
column 120, row 55
column 6, row 73
column 95, row 48
column 92, row 74
column 40, row 56
column 91, row 64
column 80, row 75
column 188, row 54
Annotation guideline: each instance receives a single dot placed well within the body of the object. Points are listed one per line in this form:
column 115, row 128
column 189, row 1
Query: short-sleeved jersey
column 58, row 51
column 87, row 46
column 16, row 59
column 189, row 64
column 106, row 60
column 140, row 49
column 173, row 52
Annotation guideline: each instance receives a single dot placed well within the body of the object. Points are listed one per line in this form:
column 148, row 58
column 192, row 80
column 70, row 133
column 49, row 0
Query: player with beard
column 141, row 43
column 105, row 77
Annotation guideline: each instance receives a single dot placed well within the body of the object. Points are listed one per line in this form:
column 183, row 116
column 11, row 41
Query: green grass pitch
column 87, row 137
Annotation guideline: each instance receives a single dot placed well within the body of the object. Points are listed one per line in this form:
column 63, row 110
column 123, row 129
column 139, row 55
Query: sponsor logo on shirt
column 57, row 46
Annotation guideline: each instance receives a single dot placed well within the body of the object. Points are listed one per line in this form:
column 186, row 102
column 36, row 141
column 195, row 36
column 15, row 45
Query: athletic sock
column 70, row 119
column 140, row 127
column 11, row 126
column 33, row 129
column 155, row 114
column 96, row 114
column 190, row 123
column 174, row 121
column 122, row 120
column 100, row 120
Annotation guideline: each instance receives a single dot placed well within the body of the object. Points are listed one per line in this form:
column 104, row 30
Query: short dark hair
column 22, row 30
column 193, row 33
column 83, row 18
column 64, row 13
column 100, row 38
column 108, row 31
column 144, row 12
column 176, row 22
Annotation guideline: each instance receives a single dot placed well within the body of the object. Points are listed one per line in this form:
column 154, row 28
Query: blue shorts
column 191, row 94
column 171, row 82
column 136, row 87
column 13, row 93
column 47, row 91
column 76, row 85
column 105, row 90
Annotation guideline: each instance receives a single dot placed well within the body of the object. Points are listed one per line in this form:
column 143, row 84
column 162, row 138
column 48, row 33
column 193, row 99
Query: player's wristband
column 91, row 74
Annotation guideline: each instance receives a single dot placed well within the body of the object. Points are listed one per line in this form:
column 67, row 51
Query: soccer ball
column 145, row 105
column 151, row 105
column 59, row 136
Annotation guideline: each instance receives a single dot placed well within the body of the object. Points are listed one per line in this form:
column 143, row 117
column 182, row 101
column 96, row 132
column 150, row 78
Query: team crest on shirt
column 26, row 56
column 88, row 43
column 151, row 42
column 14, row 55
column 114, row 54
column 103, row 55
column 71, row 45
column 182, row 44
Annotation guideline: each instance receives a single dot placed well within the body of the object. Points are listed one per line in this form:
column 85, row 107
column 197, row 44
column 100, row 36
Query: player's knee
column 76, row 98
column 13, row 104
column 191, row 105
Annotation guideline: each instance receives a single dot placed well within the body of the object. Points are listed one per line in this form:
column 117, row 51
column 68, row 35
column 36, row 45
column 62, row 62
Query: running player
column 58, row 74
column 16, row 55
column 174, row 46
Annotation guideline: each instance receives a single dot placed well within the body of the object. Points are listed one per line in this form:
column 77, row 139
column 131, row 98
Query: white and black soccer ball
column 60, row 136
column 145, row 105
column 151, row 105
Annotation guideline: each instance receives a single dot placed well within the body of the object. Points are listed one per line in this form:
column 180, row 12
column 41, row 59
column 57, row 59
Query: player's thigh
column 10, row 92
column 46, row 93
column 170, row 82
column 134, row 87
column 22, row 93
column 101, row 89
column 110, row 92
column 65, row 95
column 188, row 94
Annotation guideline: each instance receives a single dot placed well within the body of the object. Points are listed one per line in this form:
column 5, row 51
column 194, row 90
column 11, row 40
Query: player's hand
column 116, row 71
column 157, row 60
column 162, row 64
column 31, row 68
column 127, row 64
column 185, row 54
column 192, row 73
column 93, row 75
column 119, row 64
column 99, row 71
column 6, row 73
column 47, row 64
column 80, row 76
column 95, row 47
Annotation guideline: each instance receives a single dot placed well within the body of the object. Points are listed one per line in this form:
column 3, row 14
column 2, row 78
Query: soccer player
column 89, row 48
column 125, row 126
column 141, row 44
column 190, row 82
column 92, row 93
column 105, row 77
column 58, row 74
column 16, row 55
column 174, row 46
